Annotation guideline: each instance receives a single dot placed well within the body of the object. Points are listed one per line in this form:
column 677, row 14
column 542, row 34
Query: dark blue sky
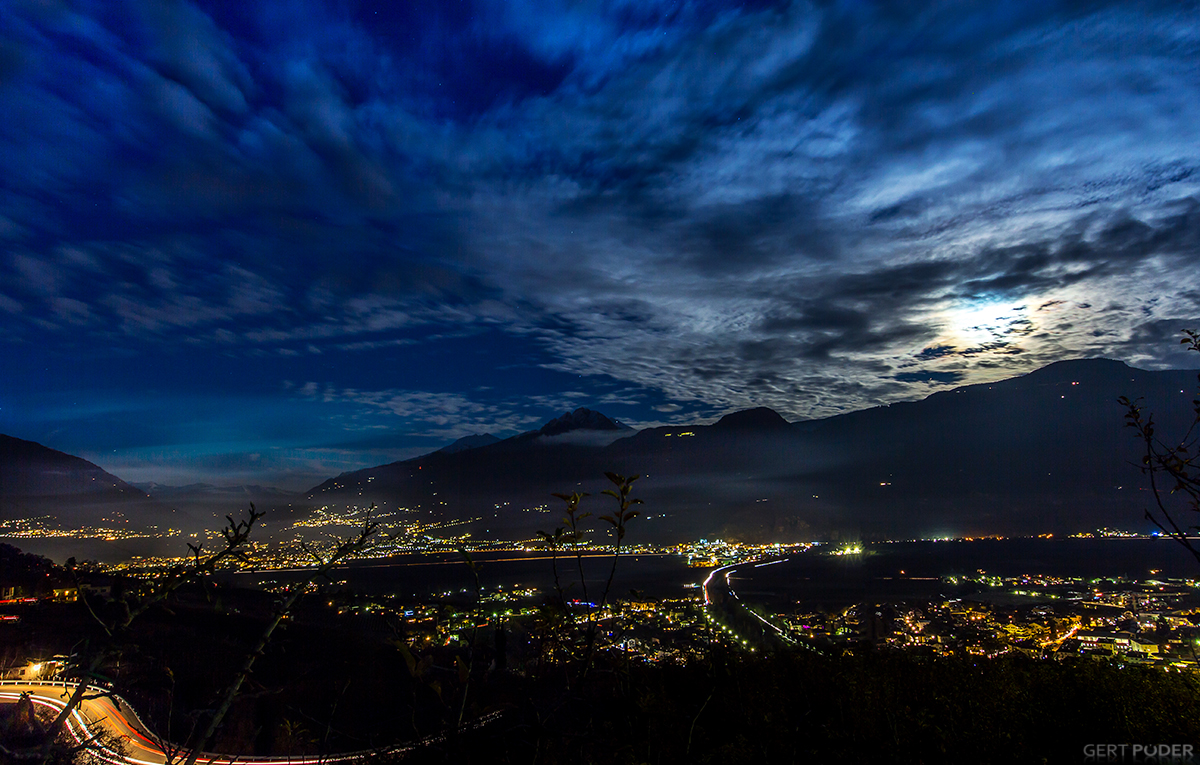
column 269, row 242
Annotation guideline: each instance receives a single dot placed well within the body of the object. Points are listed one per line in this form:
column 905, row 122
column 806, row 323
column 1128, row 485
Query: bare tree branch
column 347, row 548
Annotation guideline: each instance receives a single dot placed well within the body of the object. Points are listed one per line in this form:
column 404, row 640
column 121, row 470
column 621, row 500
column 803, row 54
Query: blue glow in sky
column 269, row 242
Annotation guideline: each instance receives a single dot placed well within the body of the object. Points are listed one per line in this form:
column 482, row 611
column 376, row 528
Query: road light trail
column 103, row 715
column 728, row 571
column 708, row 581
column 778, row 630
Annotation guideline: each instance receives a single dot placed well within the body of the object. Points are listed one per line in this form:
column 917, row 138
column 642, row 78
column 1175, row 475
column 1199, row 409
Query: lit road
column 1063, row 639
column 92, row 717
column 720, row 592
column 102, row 715
column 708, row 600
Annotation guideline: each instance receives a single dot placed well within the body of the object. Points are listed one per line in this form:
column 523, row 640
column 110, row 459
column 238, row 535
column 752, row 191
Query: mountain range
column 1045, row 452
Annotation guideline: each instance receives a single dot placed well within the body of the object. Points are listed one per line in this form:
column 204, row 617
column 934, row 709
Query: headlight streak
column 81, row 730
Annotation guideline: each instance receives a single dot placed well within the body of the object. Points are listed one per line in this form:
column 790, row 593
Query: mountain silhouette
column 760, row 418
column 32, row 473
column 470, row 442
column 580, row 419
column 59, row 489
column 1045, row 452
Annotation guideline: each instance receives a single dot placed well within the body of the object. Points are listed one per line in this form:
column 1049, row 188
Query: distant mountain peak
column 580, row 419
column 473, row 441
column 759, row 418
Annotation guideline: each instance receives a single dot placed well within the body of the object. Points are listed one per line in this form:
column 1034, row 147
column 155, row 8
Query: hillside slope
column 1041, row 453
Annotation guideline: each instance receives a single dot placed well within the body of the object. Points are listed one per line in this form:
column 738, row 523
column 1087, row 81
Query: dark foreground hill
column 342, row 682
column 1042, row 453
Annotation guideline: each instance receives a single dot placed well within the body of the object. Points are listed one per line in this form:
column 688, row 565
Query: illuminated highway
column 91, row 717
column 726, row 589
column 708, row 601
column 142, row 747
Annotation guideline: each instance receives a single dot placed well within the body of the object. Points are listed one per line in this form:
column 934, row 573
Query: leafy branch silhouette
column 1173, row 466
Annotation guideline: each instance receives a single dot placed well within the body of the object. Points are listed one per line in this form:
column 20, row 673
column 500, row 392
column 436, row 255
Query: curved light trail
column 104, row 715
column 728, row 571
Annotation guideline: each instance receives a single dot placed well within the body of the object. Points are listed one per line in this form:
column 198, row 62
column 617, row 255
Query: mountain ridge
column 29, row 469
column 1044, row 451
column 1035, row 452
column 473, row 441
column 580, row 419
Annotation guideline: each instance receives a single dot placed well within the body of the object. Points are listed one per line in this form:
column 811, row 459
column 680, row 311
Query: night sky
column 248, row 242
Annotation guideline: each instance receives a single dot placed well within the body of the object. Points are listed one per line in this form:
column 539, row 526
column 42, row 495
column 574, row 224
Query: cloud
column 936, row 352
column 427, row 413
column 813, row 208
column 9, row 305
column 190, row 48
column 944, row 378
column 593, row 438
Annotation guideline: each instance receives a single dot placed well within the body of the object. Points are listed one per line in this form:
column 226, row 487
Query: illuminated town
column 1143, row 621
